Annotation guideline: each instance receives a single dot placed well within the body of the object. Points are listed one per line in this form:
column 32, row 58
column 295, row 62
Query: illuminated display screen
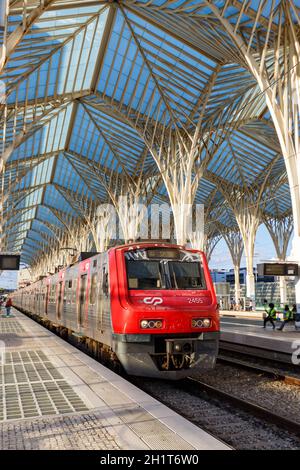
column 275, row 269
column 163, row 253
column 167, row 254
column 278, row 269
column 10, row 262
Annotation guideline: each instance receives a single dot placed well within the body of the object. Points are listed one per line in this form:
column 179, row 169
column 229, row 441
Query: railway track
column 197, row 387
column 240, row 424
column 275, row 373
column 228, row 415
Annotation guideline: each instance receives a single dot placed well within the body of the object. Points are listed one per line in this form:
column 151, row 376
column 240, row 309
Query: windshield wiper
column 165, row 274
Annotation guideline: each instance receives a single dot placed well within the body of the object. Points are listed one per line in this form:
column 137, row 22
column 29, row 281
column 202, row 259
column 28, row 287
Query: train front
column 164, row 310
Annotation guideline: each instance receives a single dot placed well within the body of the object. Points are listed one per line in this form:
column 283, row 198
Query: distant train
column 150, row 307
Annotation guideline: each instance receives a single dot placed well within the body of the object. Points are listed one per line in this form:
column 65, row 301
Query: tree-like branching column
column 62, row 248
column 280, row 230
column 247, row 203
column 63, row 243
column 276, row 67
column 178, row 138
column 247, row 209
column 97, row 220
column 206, row 234
column 182, row 156
column 211, row 244
column 234, row 241
column 206, row 239
column 129, row 197
column 130, row 194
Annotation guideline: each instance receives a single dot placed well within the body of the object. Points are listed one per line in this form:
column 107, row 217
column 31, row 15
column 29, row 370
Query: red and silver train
column 151, row 306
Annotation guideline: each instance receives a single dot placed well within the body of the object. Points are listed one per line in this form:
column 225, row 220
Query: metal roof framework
column 98, row 91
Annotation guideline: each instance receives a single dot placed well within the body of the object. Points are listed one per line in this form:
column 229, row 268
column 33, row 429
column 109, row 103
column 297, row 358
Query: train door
column 39, row 296
column 59, row 300
column 104, row 320
column 82, row 299
column 101, row 300
column 47, row 298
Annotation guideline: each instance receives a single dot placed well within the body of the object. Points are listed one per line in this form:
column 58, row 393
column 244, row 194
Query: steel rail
column 268, row 371
column 197, row 387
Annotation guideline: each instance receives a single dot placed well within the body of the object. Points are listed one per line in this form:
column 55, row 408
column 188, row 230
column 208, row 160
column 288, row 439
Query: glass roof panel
column 89, row 82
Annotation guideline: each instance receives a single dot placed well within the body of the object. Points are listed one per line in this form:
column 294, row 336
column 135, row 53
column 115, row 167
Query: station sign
column 9, row 262
column 278, row 269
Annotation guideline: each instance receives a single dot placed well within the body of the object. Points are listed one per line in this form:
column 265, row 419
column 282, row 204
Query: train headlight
column 201, row 323
column 144, row 324
column 152, row 324
column 177, row 347
column 196, row 323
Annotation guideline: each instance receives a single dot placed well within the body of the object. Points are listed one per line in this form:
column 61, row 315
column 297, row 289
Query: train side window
column 93, row 289
column 105, row 281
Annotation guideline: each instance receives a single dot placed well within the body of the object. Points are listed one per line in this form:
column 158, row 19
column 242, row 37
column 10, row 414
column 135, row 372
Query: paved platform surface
column 250, row 332
column 53, row 396
column 241, row 314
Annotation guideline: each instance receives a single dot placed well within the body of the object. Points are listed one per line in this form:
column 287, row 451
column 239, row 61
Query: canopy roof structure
column 94, row 88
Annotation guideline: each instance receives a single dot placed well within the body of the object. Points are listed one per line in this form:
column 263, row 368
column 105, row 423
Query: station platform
column 53, row 396
column 248, row 335
column 241, row 314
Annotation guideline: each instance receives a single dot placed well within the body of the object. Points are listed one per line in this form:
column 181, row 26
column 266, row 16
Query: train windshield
column 164, row 269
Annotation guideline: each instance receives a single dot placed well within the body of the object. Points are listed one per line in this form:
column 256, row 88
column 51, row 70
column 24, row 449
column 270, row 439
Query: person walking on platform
column 8, row 306
column 296, row 316
column 271, row 315
column 287, row 317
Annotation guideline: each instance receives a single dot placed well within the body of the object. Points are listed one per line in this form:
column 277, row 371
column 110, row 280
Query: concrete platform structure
column 241, row 314
column 248, row 335
column 53, row 396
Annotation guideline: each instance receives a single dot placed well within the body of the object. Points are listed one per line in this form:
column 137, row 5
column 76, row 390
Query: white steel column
column 248, row 219
column 4, row 6
column 181, row 150
column 211, row 244
column 280, row 230
column 280, row 85
column 3, row 12
column 237, row 285
column 235, row 245
column 247, row 208
column 130, row 197
column 250, row 279
column 283, row 290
